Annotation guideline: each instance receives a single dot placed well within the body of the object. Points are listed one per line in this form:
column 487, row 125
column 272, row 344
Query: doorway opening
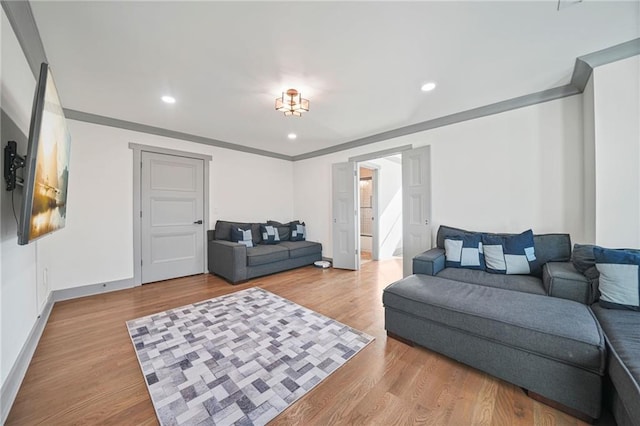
column 401, row 213
column 380, row 208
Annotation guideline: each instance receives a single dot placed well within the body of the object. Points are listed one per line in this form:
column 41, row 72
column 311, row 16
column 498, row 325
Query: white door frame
column 386, row 153
column 137, row 222
column 362, row 159
column 375, row 229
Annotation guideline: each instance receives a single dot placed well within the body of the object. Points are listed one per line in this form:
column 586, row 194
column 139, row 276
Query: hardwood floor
column 85, row 370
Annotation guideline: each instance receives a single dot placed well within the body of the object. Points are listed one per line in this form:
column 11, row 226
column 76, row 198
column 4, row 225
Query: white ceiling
column 361, row 64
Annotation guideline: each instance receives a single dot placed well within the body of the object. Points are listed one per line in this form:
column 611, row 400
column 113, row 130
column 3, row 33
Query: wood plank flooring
column 85, row 370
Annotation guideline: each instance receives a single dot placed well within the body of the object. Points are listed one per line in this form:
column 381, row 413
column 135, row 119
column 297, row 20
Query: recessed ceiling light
column 427, row 87
column 169, row 99
column 292, row 136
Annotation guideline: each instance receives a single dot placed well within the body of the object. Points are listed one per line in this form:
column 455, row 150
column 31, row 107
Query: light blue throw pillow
column 619, row 278
column 509, row 254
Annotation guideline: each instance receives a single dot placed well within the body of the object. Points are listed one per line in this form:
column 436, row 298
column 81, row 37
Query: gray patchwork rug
column 237, row 359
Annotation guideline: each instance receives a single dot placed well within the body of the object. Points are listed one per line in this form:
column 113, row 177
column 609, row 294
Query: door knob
column 199, row 222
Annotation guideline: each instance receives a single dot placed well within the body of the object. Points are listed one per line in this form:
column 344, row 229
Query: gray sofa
column 237, row 263
column 561, row 349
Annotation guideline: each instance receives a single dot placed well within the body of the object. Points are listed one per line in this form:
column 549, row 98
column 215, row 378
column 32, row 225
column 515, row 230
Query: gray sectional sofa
column 237, row 263
column 564, row 349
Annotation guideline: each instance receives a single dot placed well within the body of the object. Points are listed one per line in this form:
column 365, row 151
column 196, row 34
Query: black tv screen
column 44, row 202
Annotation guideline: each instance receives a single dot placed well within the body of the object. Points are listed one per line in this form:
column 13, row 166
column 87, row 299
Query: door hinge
column 140, row 213
column 141, row 165
column 141, row 262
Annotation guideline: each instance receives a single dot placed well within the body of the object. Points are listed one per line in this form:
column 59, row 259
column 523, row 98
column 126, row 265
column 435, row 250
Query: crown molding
column 585, row 64
column 24, row 26
column 483, row 111
column 159, row 131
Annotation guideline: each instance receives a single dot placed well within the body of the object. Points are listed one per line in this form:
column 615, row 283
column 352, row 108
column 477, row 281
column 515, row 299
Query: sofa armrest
column 227, row 259
column 561, row 279
column 430, row 262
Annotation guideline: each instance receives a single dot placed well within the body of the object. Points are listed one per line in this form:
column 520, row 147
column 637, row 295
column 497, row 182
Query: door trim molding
column 137, row 223
column 375, row 229
column 375, row 238
column 380, row 154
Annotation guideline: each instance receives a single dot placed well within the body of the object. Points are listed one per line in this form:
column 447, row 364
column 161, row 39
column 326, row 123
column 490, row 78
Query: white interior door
column 416, row 204
column 172, row 230
column 346, row 232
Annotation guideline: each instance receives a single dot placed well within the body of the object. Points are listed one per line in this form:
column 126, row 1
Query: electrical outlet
column 45, row 277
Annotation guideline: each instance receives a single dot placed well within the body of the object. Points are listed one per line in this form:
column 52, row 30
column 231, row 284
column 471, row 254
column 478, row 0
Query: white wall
column 96, row 245
column 617, row 153
column 507, row 172
column 18, row 311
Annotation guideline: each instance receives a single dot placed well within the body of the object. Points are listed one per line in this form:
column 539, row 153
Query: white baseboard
column 92, row 289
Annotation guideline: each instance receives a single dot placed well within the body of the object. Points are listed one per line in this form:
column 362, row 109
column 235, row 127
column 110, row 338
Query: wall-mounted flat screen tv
column 44, row 202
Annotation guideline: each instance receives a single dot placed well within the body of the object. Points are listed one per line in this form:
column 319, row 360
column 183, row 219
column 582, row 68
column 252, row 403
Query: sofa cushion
column 301, row 248
column 513, row 254
column 622, row 331
column 223, row 230
column 551, row 248
column 582, row 257
column 619, row 278
column 284, row 230
column 262, row 254
column 242, row 235
column 523, row 283
column 464, row 252
column 270, row 234
column 559, row 329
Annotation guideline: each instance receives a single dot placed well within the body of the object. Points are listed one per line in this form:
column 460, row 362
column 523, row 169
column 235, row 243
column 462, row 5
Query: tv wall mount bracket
column 12, row 162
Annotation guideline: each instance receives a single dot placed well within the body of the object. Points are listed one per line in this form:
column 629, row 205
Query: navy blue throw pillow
column 464, row 252
column 270, row 234
column 509, row 254
column 298, row 231
column 242, row 236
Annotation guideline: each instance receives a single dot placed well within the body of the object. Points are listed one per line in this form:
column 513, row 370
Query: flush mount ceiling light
column 292, row 103
column 168, row 99
column 427, row 87
column 292, row 136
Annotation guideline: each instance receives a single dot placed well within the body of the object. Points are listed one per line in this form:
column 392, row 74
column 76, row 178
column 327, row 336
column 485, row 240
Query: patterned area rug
column 237, row 359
